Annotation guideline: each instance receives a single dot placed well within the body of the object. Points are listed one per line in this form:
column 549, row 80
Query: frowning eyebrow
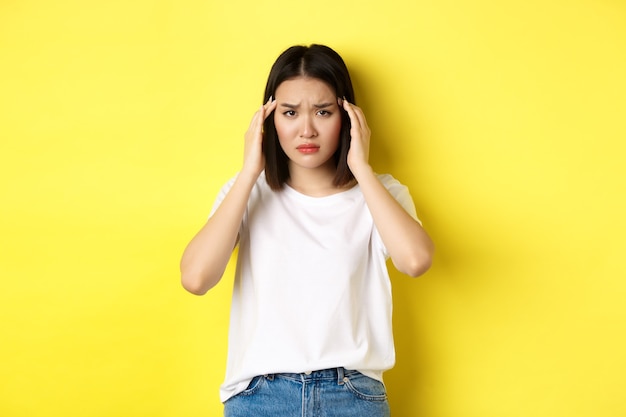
column 296, row 106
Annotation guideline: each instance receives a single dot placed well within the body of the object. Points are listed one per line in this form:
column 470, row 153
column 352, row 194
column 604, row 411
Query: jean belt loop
column 340, row 375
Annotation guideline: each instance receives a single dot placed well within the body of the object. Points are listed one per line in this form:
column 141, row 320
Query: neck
column 314, row 182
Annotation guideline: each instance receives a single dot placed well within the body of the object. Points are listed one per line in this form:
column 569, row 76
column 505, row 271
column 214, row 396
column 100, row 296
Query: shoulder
column 261, row 183
column 260, row 190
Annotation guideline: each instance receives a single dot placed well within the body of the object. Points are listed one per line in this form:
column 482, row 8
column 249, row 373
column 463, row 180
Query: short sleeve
column 401, row 193
column 222, row 194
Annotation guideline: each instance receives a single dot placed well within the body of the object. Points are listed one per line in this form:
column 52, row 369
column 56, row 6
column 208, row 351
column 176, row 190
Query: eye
column 290, row 113
column 324, row 113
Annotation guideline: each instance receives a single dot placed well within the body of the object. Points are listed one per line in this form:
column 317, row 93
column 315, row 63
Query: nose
column 307, row 130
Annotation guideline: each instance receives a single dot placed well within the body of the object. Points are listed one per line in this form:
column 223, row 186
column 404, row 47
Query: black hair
column 322, row 63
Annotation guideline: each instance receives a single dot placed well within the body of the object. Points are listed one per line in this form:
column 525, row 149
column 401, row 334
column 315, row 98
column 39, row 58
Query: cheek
column 282, row 129
column 284, row 134
column 335, row 129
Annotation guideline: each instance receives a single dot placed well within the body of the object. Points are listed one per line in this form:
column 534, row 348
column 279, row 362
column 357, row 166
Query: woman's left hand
column 408, row 245
column 358, row 155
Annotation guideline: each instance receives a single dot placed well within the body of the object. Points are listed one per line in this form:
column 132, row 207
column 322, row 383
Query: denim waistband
column 337, row 374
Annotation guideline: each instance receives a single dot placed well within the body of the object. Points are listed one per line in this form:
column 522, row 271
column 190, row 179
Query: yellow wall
column 120, row 120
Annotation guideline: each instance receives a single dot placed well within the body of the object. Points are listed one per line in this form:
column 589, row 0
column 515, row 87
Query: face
column 308, row 123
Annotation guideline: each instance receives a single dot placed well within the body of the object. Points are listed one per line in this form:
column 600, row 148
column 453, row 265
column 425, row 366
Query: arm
column 409, row 246
column 205, row 258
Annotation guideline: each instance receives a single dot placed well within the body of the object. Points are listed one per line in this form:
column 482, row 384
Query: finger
column 270, row 101
column 269, row 107
column 361, row 116
column 346, row 106
column 256, row 118
column 362, row 119
column 352, row 113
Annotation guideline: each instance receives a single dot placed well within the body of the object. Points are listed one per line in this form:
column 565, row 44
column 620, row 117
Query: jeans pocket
column 365, row 388
column 254, row 385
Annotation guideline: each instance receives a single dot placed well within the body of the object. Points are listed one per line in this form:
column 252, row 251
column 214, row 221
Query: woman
column 310, row 327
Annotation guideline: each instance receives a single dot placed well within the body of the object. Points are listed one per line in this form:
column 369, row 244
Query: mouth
column 308, row 148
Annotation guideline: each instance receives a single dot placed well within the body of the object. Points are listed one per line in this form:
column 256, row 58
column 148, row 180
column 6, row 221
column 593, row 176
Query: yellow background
column 120, row 120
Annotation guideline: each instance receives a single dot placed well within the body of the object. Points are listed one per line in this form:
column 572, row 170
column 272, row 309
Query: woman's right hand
column 253, row 158
column 205, row 258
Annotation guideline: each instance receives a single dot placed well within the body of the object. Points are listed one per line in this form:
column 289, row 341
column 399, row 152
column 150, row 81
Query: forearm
column 409, row 246
column 205, row 258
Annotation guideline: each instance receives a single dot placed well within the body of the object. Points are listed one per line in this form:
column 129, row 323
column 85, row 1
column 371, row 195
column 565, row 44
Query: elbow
column 194, row 289
column 195, row 283
column 193, row 286
column 197, row 277
column 417, row 263
column 416, row 269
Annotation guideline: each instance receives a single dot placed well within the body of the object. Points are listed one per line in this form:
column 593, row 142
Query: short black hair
column 322, row 63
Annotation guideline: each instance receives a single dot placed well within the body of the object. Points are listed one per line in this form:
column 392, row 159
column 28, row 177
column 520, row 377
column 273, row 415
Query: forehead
column 304, row 87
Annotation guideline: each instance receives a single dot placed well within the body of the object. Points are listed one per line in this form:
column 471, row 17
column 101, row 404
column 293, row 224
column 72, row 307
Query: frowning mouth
column 308, row 148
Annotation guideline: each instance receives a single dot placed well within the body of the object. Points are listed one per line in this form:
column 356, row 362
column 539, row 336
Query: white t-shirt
column 311, row 288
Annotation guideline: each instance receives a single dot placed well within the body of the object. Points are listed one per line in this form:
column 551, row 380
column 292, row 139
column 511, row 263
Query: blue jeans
column 327, row 393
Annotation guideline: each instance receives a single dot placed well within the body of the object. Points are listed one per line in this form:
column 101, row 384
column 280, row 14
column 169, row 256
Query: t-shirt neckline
column 326, row 198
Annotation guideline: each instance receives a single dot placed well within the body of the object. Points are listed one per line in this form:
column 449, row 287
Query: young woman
column 310, row 326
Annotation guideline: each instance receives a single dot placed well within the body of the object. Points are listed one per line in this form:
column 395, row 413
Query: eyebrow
column 317, row 106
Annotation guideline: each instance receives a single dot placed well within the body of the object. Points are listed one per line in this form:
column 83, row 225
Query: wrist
column 361, row 170
column 248, row 175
